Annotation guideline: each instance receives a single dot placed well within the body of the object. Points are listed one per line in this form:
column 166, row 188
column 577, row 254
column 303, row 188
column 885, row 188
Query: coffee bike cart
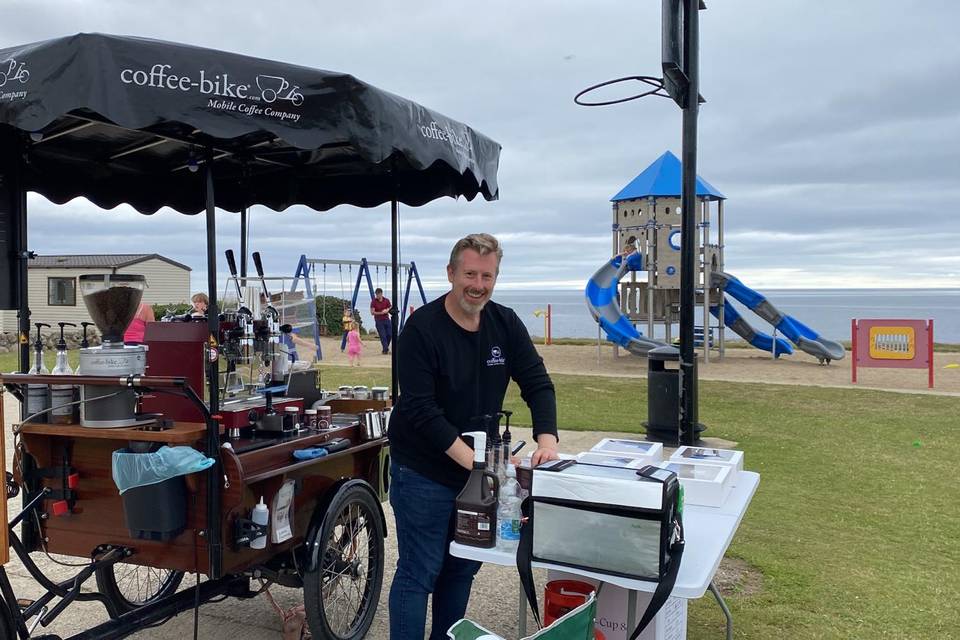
column 121, row 120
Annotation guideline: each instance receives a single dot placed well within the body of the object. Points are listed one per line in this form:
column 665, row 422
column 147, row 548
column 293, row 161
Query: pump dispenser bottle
column 38, row 395
column 477, row 503
column 62, row 395
column 505, row 441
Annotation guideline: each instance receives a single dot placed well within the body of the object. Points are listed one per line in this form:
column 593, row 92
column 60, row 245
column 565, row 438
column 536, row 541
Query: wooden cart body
column 97, row 518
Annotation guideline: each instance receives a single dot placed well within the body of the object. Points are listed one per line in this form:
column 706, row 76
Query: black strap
column 665, row 586
column 660, row 595
column 525, row 558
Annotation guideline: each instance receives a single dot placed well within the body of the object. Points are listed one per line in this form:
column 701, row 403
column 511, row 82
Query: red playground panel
column 892, row 344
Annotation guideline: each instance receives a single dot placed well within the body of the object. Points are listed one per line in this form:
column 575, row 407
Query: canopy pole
column 214, row 543
column 688, row 242
column 394, row 286
column 243, row 244
column 18, row 197
column 29, row 532
column 245, row 177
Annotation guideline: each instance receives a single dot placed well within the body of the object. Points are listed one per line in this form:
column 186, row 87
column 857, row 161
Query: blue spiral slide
column 603, row 306
column 601, row 294
column 805, row 338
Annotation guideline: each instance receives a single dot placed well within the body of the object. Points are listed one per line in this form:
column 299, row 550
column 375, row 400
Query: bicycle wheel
column 341, row 595
column 130, row 586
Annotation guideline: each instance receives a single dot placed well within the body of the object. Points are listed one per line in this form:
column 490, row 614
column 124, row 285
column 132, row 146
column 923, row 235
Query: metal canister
column 379, row 393
column 110, row 406
column 371, row 424
column 345, row 391
column 361, row 392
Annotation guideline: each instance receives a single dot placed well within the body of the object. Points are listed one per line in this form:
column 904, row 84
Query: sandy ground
column 494, row 601
column 743, row 365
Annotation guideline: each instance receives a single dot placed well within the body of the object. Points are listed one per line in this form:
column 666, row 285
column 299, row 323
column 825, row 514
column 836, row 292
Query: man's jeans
column 426, row 517
column 384, row 331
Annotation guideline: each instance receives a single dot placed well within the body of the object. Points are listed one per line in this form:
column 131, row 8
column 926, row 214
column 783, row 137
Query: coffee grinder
column 112, row 301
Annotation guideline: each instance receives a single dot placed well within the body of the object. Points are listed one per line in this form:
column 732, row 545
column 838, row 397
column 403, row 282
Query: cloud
column 834, row 133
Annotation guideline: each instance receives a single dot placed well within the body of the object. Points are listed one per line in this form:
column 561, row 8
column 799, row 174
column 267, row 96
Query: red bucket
column 563, row 596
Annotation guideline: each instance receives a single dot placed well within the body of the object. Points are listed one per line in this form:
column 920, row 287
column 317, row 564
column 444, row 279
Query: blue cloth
column 425, row 517
column 131, row 470
column 310, row 453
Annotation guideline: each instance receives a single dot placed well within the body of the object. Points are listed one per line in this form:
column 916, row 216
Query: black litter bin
column 155, row 511
column 663, row 398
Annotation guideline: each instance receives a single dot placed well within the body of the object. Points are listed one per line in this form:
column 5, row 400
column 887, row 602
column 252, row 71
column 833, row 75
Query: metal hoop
column 656, row 83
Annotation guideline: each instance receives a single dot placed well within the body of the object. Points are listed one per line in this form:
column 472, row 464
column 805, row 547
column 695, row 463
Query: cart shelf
column 184, row 433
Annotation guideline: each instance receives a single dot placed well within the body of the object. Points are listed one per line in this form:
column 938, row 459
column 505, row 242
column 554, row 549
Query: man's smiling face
column 473, row 278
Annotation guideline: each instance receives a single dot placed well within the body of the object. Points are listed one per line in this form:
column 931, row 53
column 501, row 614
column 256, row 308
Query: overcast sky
column 833, row 128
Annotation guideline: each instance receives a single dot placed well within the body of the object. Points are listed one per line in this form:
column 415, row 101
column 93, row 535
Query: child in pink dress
column 354, row 346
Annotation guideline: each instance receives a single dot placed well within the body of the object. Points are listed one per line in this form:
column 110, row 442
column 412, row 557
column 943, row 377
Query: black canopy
column 124, row 120
column 129, row 120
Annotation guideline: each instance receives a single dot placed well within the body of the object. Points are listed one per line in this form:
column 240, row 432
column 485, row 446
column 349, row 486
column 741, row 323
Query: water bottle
column 508, row 513
column 261, row 515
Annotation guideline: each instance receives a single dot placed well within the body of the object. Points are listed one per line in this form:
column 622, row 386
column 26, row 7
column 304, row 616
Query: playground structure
column 646, row 217
column 646, row 238
column 307, row 271
column 892, row 344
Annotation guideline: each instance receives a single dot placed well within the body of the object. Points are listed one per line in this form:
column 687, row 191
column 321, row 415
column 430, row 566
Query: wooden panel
column 179, row 433
column 314, row 479
column 98, row 514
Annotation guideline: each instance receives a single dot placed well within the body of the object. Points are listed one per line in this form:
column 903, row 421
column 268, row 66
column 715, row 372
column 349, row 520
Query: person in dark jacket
column 456, row 356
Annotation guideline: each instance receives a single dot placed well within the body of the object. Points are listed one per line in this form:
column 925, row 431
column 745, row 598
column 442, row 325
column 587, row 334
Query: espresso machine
column 112, row 301
column 266, row 345
column 236, row 339
column 252, row 375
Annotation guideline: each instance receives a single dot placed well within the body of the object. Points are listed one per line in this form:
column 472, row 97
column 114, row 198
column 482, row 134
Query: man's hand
column 546, row 449
column 461, row 453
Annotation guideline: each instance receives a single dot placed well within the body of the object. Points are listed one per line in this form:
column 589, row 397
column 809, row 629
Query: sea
column 826, row 311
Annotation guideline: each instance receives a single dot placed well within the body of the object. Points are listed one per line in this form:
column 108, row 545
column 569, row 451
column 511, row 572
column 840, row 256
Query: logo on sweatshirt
column 496, row 357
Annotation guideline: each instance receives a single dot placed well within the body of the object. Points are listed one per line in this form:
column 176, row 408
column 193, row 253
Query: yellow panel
column 892, row 343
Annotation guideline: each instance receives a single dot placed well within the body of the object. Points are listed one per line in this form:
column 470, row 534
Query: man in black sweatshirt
column 456, row 356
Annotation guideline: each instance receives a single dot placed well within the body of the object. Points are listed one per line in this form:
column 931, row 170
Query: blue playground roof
column 662, row 179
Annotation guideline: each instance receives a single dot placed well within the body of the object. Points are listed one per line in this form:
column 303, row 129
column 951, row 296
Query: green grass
column 854, row 526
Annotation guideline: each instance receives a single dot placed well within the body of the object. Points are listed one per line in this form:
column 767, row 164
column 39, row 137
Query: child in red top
column 354, row 346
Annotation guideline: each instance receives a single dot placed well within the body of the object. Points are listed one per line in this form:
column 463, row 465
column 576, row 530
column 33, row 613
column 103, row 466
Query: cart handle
column 155, row 382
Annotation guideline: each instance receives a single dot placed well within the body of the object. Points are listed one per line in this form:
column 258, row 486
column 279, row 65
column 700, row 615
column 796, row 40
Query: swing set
column 307, row 270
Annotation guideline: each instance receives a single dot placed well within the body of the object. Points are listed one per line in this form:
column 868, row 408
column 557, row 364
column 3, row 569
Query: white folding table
column 708, row 532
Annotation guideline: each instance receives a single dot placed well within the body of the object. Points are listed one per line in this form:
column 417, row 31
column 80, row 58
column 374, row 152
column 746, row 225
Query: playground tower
column 646, row 215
